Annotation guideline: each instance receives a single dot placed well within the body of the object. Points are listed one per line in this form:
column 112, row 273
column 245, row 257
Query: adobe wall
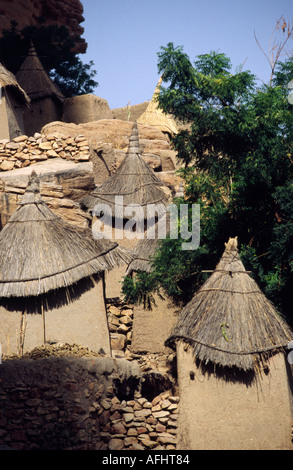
column 85, row 108
column 83, row 403
column 81, row 321
column 15, row 115
column 216, row 414
column 151, row 328
column 40, row 112
column 4, row 127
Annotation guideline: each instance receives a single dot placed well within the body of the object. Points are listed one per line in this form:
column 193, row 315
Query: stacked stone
column 23, row 151
column 161, row 362
column 120, row 319
column 49, row 416
column 139, row 424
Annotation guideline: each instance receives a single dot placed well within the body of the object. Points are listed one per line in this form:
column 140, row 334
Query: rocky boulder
column 155, row 145
column 69, row 14
column 62, row 184
column 130, row 113
column 85, row 108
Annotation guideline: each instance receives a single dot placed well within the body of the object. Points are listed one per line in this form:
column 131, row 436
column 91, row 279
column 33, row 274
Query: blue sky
column 124, row 37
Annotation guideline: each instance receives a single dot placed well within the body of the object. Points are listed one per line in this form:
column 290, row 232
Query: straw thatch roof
column 134, row 180
column 33, row 78
column 143, row 252
column 145, row 248
column 8, row 80
column 40, row 252
column 229, row 322
column 153, row 116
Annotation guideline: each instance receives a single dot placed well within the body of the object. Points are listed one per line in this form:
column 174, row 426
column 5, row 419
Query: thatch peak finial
column 32, row 49
column 32, row 192
column 157, row 90
column 134, row 141
column 232, row 244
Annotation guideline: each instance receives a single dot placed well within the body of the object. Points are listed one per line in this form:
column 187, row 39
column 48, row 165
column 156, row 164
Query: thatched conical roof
column 134, row 180
column 229, row 322
column 153, row 116
column 34, row 79
column 40, row 252
column 145, row 248
column 8, row 80
column 143, row 252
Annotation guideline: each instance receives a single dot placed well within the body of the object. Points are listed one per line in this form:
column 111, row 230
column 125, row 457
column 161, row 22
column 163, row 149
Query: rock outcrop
column 72, row 159
column 62, row 183
column 155, row 145
column 26, row 12
column 85, row 108
column 64, row 168
column 131, row 112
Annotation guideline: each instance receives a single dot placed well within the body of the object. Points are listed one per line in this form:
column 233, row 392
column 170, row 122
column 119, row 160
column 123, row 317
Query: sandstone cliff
column 62, row 12
column 155, row 145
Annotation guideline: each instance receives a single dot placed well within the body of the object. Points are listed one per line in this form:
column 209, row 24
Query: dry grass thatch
column 8, row 80
column 33, row 78
column 142, row 256
column 145, row 249
column 40, row 252
column 153, row 116
column 134, row 180
column 229, row 322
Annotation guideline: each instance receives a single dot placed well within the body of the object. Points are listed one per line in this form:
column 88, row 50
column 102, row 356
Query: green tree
column 236, row 147
column 56, row 50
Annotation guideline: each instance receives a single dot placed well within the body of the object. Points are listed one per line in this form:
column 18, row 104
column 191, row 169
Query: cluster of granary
column 231, row 342
column 51, row 271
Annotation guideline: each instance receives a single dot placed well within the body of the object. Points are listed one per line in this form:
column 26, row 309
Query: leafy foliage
column 55, row 48
column 236, row 147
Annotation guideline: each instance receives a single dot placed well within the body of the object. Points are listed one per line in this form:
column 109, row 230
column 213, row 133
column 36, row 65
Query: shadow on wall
column 52, row 300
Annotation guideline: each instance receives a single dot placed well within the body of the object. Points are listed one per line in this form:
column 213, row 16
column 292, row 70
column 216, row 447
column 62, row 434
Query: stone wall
column 63, row 165
column 138, row 332
column 139, row 423
column 24, row 151
column 155, row 145
column 54, row 400
column 82, row 403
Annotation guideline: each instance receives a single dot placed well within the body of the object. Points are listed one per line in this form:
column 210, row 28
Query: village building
column 153, row 320
column 154, row 116
column 52, row 279
column 13, row 102
column 85, row 108
column 123, row 200
column 134, row 184
column 46, row 99
column 233, row 376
